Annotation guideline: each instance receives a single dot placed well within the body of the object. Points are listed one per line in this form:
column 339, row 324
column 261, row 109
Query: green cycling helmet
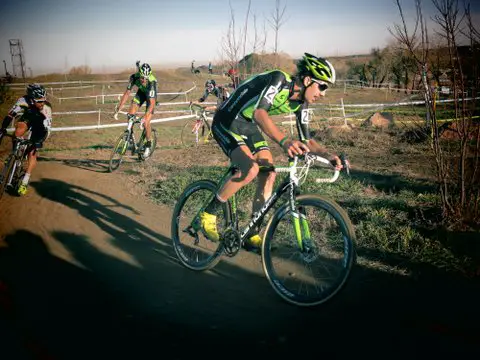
column 145, row 70
column 318, row 68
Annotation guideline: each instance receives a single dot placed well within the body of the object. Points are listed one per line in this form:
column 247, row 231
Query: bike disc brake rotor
column 310, row 252
column 231, row 242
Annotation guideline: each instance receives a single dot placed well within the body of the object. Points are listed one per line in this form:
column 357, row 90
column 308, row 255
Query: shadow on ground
column 138, row 302
column 94, row 165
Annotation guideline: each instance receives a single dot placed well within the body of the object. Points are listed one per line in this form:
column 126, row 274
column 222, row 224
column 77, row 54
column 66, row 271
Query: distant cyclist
column 237, row 123
column 146, row 84
column 233, row 75
column 31, row 112
column 220, row 92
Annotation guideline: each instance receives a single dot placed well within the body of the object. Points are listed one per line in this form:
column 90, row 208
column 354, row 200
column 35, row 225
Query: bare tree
column 457, row 162
column 231, row 43
column 277, row 21
column 245, row 29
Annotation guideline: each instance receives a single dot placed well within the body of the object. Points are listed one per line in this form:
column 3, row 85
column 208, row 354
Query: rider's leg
column 32, row 163
column 132, row 110
column 247, row 171
column 20, row 129
column 148, row 128
column 265, row 182
column 266, row 179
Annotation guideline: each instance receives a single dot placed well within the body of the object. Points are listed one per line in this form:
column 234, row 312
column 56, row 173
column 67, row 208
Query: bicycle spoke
column 311, row 274
column 193, row 249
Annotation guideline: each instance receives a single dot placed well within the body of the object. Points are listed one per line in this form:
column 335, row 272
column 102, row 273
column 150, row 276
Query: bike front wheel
column 194, row 250
column 143, row 140
column 195, row 133
column 312, row 270
column 119, row 150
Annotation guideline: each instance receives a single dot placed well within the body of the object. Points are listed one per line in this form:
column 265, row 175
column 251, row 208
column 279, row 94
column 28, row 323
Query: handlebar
column 19, row 141
column 200, row 107
column 137, row 119
column 309, row 160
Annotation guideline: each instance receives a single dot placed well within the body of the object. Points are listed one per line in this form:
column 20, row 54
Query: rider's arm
column 266, row 99
column 15, row 112
column 7, row 120
column 204, row 96
column 47, row 121
column 126, row 94
column 303, row 120
column 267, row 125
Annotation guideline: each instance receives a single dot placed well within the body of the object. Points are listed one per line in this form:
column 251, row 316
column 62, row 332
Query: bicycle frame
column 131, row 135
column 291, row 185
column 19, row 153
column 201, row 121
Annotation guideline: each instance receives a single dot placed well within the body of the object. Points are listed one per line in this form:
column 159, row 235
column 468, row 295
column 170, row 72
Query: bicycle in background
column 308, row 247
column 127, row 142
column 197, row 131
column 15, row 165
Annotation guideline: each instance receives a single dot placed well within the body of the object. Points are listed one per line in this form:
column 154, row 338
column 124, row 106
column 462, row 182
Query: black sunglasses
column 322, row 86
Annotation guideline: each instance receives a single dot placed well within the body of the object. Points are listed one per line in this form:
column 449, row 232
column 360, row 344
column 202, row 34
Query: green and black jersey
column 149, row 90
column 271, row 91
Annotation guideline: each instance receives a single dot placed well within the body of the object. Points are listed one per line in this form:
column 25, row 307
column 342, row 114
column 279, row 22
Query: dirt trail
column 91, row 272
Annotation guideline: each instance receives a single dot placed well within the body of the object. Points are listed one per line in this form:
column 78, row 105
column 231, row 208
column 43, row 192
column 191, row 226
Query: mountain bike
column 197, row 131
column 15, row 164
column 127, row 141
column 308, row 247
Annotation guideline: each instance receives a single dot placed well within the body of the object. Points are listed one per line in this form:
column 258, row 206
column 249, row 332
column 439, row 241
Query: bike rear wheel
column 119, row 150
column 5, row 174
column 193, row 249
column 314, row 274
column 195, row 134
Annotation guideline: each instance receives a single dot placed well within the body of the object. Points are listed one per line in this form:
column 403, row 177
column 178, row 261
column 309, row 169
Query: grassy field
column 391, row 195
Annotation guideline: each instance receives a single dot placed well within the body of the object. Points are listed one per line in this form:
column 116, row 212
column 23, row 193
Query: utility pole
column 18, row 58
column 5, row 65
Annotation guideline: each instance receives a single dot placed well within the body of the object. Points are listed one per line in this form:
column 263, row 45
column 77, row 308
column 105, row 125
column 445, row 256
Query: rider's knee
column 270, row 176
column 252, row 171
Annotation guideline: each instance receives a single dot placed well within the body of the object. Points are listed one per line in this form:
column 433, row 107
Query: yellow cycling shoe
column 209, row 226
column 253, row 243
column 22, row 189
column 255, row 240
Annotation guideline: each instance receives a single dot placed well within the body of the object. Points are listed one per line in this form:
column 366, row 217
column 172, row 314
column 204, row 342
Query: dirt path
column 90, row 272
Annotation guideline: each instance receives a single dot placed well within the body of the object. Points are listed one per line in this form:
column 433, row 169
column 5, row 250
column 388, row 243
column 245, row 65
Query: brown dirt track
column 88, row 271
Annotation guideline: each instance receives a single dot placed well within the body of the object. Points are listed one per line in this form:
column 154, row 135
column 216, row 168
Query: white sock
column 25, row 179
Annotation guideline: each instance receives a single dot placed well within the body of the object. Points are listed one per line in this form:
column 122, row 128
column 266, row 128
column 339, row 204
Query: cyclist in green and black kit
column 236, row 128
column 146, row 84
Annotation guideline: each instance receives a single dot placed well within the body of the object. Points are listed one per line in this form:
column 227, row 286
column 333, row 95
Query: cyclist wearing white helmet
column 237, row 123
column 31, row 112
column 146, row 84
column 220, row 92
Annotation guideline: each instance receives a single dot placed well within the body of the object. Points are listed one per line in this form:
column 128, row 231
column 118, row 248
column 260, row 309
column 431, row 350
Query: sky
column 112, row 34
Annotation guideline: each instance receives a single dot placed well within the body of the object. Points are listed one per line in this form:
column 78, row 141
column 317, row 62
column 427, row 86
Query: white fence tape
column 90, row 127
column 103, row 96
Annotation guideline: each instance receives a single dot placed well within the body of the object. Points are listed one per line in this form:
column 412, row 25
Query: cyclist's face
column 39, row 104
column 314, row 90
column 143, row 80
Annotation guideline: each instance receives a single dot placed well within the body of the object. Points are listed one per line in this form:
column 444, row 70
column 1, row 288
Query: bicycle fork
column 300, row 222
column 301, row 229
